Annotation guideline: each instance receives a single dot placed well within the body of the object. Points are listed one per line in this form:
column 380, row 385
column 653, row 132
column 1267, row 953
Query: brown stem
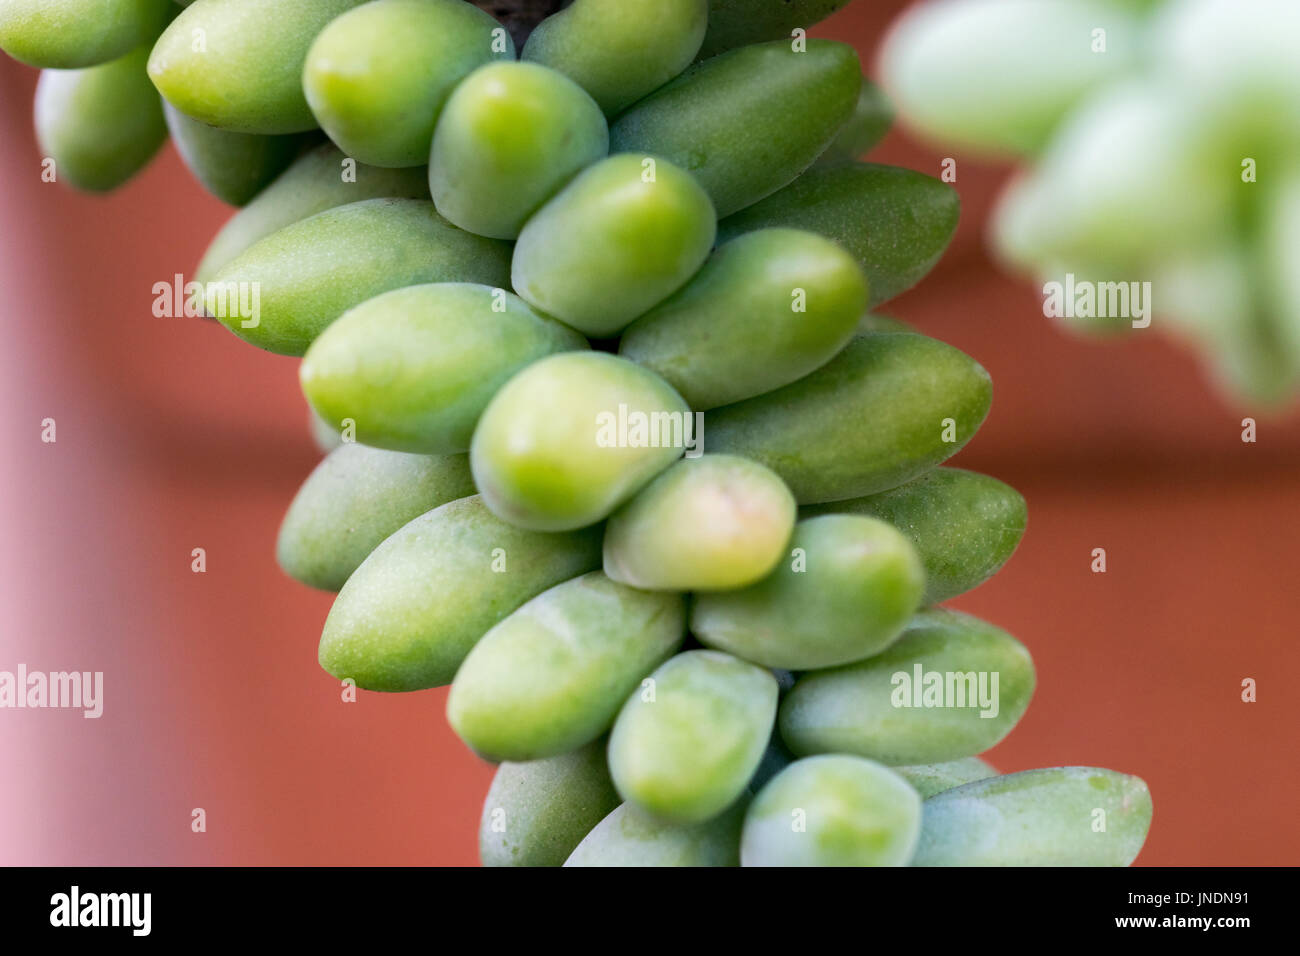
column 520, row 16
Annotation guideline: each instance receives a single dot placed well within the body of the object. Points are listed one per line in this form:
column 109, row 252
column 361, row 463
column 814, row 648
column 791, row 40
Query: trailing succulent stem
column 520, row 16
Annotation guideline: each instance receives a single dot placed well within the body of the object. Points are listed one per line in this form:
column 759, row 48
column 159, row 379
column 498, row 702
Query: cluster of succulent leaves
column 1161, row 146
column 714, row 650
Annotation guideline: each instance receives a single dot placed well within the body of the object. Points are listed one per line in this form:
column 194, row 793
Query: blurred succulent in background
column 1162, row 140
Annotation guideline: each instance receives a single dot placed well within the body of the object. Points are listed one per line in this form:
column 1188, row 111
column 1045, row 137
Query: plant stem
column 520, row 16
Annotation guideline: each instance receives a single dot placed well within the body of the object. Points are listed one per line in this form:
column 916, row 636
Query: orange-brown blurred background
column 173, row 435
